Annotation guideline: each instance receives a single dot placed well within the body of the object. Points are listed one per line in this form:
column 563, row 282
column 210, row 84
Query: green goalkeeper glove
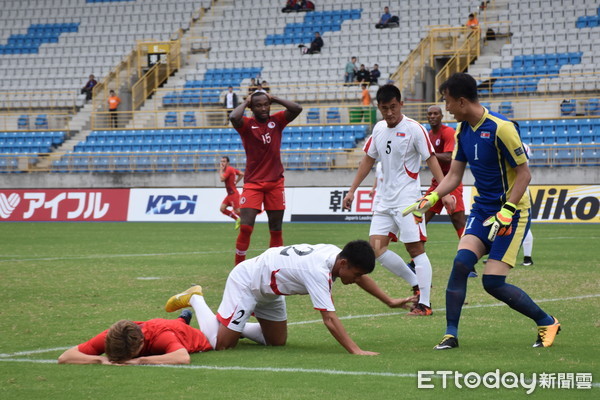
column 501, row 222
column 421, row 206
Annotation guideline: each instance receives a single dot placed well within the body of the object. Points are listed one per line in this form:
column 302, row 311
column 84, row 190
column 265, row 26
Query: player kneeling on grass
column 258, row 287
column 156, row 341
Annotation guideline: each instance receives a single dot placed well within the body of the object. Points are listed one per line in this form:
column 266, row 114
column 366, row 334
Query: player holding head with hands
column 499, row 218
column 263, row 182
column 156, row 341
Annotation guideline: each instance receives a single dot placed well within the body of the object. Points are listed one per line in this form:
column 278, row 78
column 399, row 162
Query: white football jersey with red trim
column 401, row 150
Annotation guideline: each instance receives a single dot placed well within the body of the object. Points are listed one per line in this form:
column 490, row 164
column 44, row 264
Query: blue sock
column 516, row 298
column 456, row 291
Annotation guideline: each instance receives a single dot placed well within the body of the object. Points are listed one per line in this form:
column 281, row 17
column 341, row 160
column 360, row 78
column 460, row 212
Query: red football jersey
column 161, row 336
column 443, row 142
column 262, row 142
column 230, row 178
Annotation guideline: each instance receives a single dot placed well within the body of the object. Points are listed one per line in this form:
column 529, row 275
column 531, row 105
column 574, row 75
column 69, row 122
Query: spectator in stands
column 367, row 103
column 231, row 101
column 388, row 20
column 473, row 22
column 156, row 341
column 315, row 45
column 375, row 74
column 265, row 86
column 252, row 88
column 350, row 71
column 89, row 86
column 363, row 75
column 259, row 88
column 113, row 105
column 291, row 5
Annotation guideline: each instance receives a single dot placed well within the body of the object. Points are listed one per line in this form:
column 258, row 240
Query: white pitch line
column 443, row 309
column 588, row 296
column 262, row 369
column 95, row 256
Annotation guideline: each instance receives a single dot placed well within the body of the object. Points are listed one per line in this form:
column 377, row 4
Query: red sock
column 230, row 213
column 460, row 232
column 276, row 239
column 242, row 243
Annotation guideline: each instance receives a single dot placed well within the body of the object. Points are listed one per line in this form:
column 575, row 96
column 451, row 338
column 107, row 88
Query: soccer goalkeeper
column 499, row 218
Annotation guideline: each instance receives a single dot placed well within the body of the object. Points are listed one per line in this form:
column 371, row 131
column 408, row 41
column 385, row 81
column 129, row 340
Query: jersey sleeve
column 166, row 342
column 510, row 144
column 458, row 154
column 422, row 143
column 281, row 119
column 95, row 346
column 370, row 148
column 449, row 140
column 318, row 285
column 242, row 130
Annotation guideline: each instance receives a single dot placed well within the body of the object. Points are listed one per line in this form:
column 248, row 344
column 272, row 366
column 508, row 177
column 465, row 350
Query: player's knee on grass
column 274, row 332
column 227, row 338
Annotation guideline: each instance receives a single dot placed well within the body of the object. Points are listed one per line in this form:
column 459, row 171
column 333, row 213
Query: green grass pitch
column 62, row 283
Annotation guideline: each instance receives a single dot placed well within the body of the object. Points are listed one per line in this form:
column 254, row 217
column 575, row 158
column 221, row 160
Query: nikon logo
column 570, row 204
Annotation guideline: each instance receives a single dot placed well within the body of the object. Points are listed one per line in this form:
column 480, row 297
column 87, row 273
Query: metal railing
column 161, row 70
column 34, row 121
column 461, row 59
column 440, row 41
column 32, row 101
column 199, row 161
column 217, row 116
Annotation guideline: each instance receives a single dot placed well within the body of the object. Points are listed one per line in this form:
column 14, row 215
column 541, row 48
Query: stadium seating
column 30, row 142
column 56, row 44
column 318, row 21
column 115, row 150
column 206, row 91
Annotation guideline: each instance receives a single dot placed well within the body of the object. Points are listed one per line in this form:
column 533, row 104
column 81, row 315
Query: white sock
column 396, row 265
column 424, row 274
column 528, row 244
column 209, row 324
column 253, row 331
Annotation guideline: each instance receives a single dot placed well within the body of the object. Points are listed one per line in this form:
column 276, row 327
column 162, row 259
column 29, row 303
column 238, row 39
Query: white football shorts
column 240, row 302
column 391, row 223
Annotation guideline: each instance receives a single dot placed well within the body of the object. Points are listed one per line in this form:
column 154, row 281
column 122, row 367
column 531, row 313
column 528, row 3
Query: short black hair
column 257, row 94
column 387, row 93
column 460, row 85
column 225, row 157
column 359, row 254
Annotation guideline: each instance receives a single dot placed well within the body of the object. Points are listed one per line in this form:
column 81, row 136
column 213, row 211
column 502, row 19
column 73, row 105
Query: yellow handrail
column 461, row 59
column 159, row 72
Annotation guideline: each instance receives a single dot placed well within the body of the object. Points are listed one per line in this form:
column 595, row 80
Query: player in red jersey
column 263, row 182
column 443, row 140
column 231, row 177
column 156, row 341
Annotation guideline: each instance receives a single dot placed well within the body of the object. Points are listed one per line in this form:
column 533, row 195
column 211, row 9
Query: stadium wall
column 540, row 176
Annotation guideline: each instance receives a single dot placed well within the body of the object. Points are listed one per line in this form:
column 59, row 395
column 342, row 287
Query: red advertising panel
column 64, row 205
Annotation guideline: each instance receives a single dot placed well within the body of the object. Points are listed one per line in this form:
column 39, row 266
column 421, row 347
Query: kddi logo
column 578, row 203
column 161, row 205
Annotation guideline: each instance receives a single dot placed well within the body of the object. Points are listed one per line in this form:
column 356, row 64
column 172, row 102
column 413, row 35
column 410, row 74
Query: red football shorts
column 232, row 200
column 458, row 195
column 271, row 194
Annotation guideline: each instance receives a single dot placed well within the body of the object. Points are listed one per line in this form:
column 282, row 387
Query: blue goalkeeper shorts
column 503, row 248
